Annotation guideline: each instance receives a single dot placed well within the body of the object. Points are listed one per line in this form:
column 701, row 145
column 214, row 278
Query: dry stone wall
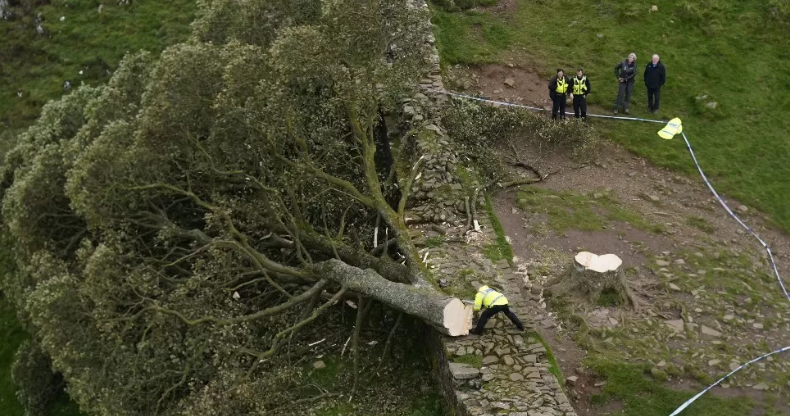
column 505, row 371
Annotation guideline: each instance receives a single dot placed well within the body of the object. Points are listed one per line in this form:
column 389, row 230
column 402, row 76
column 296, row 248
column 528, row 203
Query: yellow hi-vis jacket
column 487, row 297
column 675, row 126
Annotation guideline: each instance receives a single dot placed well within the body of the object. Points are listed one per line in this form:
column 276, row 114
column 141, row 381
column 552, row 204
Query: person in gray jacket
column 625, row 72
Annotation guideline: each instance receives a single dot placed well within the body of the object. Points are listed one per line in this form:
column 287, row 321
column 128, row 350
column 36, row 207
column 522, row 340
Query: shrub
column 37, row 385
column 484, row 132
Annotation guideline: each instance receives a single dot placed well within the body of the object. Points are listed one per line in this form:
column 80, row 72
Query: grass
column 731, row 51
column 85, row 40
column 641, row 395
column 571, row 211
column 554, row 368
column 475, row 361
column 700, row 223
column 500, row 250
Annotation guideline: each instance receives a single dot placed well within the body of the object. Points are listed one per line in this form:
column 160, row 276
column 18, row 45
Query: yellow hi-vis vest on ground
column 579, row 85
column 487, row 297
column 674, row 127
column 562, row 86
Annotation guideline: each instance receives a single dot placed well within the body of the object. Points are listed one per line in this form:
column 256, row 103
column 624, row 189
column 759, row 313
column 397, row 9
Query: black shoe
column 475, row 332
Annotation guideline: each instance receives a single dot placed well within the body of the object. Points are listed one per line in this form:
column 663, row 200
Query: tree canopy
column 171, row 230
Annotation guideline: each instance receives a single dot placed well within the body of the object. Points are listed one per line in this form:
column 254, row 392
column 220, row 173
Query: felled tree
column 174, row 229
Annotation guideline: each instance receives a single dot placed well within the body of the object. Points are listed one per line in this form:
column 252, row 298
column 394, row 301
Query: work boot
column 655, row 111
column 474, row 331
column 627, row 112
column 649, row 110
column 615, row 111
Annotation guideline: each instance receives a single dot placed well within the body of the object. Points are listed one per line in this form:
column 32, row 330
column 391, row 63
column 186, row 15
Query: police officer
column 580, row 87
column 558, row 91
column 492, row 302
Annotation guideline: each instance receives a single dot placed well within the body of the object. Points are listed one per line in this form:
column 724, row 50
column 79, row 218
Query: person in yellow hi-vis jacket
column 492, row 302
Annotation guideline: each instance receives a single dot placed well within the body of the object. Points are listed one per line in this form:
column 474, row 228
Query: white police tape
column 698, row 395
column 715, row 194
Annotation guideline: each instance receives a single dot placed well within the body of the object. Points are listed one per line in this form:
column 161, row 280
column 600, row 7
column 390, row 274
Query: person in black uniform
column 655, row 77
column 625, row 72
column 580, row 87
column 558, row 91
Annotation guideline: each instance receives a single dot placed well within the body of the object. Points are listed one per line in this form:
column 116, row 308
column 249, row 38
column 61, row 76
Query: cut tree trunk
column 591, row 275
column 447, row 314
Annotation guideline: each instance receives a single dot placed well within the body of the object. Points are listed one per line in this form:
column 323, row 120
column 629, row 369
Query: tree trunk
column 447, row 314
column 590, row 275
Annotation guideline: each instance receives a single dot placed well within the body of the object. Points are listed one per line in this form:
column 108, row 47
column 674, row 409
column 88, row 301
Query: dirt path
column 673, row 263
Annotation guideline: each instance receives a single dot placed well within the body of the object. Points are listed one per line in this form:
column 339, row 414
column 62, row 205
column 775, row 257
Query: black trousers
column 558, row 104
column 624, row 91
column 580, row 103
column 488, row 313
column 653, row 98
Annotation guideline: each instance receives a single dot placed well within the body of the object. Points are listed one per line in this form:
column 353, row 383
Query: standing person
column 493, row 302
column 625, row 72
column 655, row 77
column 580, row 87
column 558, row 91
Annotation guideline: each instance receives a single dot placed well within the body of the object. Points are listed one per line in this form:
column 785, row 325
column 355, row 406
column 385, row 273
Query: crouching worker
column 492, row 302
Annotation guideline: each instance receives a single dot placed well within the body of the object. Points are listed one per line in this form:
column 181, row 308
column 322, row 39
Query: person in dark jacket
column 625, row 72
column 558, row 91
column 580, row 87
column 655, row 77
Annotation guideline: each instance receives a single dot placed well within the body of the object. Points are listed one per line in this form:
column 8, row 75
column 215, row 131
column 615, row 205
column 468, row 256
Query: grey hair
column 632, row 55
column 655, row 55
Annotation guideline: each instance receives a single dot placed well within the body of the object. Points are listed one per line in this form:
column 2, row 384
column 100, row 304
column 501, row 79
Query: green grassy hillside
column 87, row 40
column 731, row 52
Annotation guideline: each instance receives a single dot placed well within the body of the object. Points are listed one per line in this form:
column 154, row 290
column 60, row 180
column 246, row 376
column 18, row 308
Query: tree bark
column 590, row 275
column 447, row 314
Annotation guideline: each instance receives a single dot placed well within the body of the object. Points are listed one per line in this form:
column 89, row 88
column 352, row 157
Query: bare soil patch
column 670, row 200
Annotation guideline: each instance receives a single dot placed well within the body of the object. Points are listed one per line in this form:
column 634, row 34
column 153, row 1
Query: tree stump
column 590, row 276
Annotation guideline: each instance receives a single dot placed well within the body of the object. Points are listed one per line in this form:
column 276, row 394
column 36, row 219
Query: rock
column 444, row 283
column 658, row 374
column 760, row 386
column 516, row 377
column 728, row 318
column 500, row 405
column 510, row 82
column 662, row 263
column 547, row 323
column 462, row 371
column 674, row 287
column 533, row 375
column 677, row 324
column 653, row 8
column 632, row 174
column 743, row 209
column 680, row 262
column 509, row 360
column 599, row 35
column 488, row 377
column 490, row 359
column 62, row 18
column 714, row 363
column 531, row 358
column 661, row 364
column 712, row 105
column 757, row 325
column 710, row 331
column 598, row 195
column 572, row 380
column 497, row 91
column 319, row 365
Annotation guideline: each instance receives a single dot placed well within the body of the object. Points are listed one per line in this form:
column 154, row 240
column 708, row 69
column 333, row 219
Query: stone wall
column 505, row 371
